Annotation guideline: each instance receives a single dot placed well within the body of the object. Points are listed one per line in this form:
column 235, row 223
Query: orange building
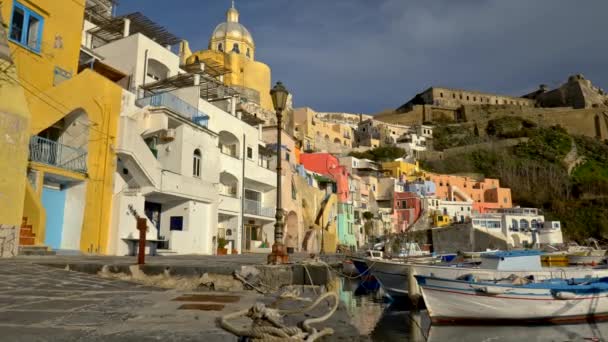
column 486, row 195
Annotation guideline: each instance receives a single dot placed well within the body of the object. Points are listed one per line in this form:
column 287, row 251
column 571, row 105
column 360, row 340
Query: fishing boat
column 396, row 277
column 514, row 299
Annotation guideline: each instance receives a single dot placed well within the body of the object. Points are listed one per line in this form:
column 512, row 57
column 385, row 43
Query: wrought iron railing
column 177, row 105
column 255, row 208
column 52, row 153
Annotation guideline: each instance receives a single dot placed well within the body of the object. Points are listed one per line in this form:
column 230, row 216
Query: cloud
column 365, row 56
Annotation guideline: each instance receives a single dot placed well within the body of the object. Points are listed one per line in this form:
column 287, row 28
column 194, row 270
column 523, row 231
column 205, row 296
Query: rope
column 341, row 274
column 267, row 327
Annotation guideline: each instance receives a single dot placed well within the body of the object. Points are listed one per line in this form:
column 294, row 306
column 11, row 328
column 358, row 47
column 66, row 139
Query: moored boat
column 516, row 300
column 395, row 276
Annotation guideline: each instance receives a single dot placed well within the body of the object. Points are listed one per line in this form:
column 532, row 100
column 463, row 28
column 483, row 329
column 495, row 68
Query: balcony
column 176, row 105
column 255, row 208
column 52, row 153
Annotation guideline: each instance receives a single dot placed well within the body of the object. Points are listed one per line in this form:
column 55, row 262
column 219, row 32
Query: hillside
column 566, row 175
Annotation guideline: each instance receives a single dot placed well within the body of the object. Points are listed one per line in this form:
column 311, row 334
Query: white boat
column 591, row 260
column 555, row 300
column 396, row 277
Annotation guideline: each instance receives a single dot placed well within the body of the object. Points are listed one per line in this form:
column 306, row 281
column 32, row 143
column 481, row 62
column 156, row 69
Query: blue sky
column 364, row 56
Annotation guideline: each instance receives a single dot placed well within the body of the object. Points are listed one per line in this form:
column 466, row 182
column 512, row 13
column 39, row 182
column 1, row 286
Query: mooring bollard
column 413, row 289
column 142, row 226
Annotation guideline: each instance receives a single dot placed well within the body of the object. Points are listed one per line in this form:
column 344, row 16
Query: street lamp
column 278, row 255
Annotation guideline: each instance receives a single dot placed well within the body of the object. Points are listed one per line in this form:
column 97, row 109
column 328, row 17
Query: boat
column 397, row 276
column 349, row 268
column 586, row 260
column 514, row 300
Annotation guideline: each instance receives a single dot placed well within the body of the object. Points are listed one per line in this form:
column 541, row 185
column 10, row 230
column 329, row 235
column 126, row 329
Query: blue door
column 53, row 201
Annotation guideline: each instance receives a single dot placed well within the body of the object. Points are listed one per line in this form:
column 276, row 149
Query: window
column 467, row 97
column 249, row 153
column 440, row 94
column 196, row 163
column 287, row 156
column 220, row 47
column 176, row 223
column 474, row 99
column 453, row 96
column 26, row 27
column 248, row 53
column 235, row 48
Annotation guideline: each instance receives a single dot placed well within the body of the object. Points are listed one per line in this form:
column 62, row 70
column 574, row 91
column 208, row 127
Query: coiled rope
column 267, row 325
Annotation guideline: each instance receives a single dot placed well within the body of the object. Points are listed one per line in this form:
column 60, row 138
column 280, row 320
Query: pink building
column 328, row 165
column 406, row 210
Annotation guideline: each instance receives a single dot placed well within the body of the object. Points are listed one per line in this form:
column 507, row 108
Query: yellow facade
column 51, row 99
column 14, row 130
column 401, row 170
column 320, row 135
column 231, row 47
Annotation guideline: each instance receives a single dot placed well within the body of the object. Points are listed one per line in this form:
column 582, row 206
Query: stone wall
column 450, row 152
column 464, row 238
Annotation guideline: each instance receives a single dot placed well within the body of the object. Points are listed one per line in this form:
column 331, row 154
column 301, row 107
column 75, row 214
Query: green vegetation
column 380, row 154
column 454, row 135
column 536, row 173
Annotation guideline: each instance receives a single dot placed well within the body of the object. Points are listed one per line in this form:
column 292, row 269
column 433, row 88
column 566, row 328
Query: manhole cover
column 202, row 307
column 207, row 298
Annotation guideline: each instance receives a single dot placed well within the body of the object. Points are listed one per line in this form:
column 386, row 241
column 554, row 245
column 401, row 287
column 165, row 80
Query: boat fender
column 490, row 290
column 564, row 295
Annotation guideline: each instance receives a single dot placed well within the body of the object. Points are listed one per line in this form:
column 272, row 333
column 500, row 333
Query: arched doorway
column 229, row 144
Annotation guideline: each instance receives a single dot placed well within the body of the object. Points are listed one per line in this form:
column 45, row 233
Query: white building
column 186, row 160
column 417, row 139
column 520, row 227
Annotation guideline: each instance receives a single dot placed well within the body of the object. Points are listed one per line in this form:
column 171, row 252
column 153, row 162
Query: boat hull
column 392, row 276
column 450, row 301
column 395, row 276
column 585, row 259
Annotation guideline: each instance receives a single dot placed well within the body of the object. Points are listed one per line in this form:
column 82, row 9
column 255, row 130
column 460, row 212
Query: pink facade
column 328, row 165
column 406, row 210
column 487, row 195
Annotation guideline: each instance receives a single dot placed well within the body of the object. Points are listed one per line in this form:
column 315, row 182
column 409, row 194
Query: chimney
column 126, row 28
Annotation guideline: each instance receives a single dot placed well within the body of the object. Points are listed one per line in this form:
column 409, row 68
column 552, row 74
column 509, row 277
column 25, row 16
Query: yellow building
column 319, row 135
column 401, row 170
column 73, row 127
column 14, row 130
column 231, row 56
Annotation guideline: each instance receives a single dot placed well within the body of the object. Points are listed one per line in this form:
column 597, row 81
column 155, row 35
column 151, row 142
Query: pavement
column 41, row 303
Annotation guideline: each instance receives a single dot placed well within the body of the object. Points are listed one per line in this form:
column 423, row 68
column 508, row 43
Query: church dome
column 232, row 29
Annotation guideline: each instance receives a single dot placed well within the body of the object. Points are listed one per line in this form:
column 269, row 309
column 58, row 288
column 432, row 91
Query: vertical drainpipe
column 243, row 196
column 145, row 70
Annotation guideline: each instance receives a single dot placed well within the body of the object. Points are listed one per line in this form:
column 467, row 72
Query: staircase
column 27, row 241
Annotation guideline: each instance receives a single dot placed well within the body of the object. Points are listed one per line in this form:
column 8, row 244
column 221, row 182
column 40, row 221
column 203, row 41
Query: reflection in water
column 375, row 317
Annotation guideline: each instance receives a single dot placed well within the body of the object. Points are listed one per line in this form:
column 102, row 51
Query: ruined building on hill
column 576, row 105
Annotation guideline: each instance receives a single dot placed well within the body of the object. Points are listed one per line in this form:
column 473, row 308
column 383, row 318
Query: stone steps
column 35, row 250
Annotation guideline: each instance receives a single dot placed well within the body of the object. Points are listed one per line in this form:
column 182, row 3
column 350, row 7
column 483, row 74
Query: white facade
column 191, row 169
column 520, row 227
column 458, row 211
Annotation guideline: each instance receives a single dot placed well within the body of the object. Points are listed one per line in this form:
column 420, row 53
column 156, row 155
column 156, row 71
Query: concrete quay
column 42, row 303
column 298, row 272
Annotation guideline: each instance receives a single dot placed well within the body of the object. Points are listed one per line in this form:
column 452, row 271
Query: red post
column 142, row 226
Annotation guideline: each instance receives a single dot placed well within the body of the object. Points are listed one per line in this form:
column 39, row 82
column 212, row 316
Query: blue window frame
column 26, row 27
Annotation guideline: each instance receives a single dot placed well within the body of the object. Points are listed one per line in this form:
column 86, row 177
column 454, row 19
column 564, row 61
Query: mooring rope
column 267, row 325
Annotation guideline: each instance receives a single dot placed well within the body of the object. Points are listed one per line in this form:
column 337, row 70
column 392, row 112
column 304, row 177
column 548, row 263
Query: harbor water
column 380, row 319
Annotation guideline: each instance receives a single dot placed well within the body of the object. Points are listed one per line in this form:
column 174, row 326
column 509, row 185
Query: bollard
column 142, row 226
column 413, row 290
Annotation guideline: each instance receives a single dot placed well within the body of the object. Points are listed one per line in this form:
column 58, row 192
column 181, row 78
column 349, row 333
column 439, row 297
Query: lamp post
column 279, row 253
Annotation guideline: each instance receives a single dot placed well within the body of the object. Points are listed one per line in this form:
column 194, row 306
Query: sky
column 366, row 56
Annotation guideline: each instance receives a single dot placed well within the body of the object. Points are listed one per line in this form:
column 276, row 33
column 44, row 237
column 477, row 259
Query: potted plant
column 221, row 246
